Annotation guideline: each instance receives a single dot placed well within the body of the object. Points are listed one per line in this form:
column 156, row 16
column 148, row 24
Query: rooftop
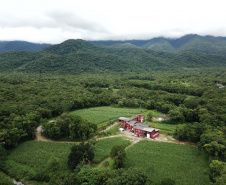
column 123, row 118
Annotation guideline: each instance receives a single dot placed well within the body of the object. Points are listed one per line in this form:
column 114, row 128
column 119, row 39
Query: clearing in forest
column 178, row 162
column 31, row 158
column 98, row 115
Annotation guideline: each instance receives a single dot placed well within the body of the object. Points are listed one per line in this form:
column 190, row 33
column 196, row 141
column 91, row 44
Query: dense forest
column 79, row 56
column 20, row 46
column 188, row 43
column 38, row 86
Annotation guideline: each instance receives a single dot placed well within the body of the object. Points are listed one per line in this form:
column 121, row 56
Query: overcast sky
column 53, row 21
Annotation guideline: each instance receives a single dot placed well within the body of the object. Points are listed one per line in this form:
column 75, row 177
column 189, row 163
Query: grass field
column 154, row 113
column 103, row 147
column 181, row 163
column 35, row 154
column 98, row 115
column 164, row 126
column 31, row 157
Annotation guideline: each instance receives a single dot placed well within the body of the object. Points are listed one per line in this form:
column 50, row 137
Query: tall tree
column 81, row 152
column 118, row 154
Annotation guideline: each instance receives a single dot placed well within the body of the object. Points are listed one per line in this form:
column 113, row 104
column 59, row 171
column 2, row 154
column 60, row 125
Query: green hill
column 160, row 44
column 188, row 43
column 20, row 46
column 208, row 45
column 78, row 56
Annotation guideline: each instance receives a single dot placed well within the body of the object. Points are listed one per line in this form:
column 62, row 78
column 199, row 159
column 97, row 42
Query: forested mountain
column 79, row 56
column 52, row 83
column 20, row 46
column 187, row 43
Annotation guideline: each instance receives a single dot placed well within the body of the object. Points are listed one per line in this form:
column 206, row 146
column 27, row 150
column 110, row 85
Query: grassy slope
column 166, row 160
column 98, row 115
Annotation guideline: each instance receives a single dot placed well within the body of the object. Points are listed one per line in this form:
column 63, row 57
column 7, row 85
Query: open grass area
column 154, row 113
column 103, row 147
column 98, row 115
column 115, row 129
column 181, row 163
column 112, row 131
column 31, row 157
column 164, row 127
column 35, row 154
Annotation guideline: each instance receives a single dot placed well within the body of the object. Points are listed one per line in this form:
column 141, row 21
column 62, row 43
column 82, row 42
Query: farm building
column 138, row 127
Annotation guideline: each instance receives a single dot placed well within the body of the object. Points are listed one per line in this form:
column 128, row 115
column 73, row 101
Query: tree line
column 27, row 101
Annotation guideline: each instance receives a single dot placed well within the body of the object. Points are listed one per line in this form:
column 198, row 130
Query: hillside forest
column 36, row 87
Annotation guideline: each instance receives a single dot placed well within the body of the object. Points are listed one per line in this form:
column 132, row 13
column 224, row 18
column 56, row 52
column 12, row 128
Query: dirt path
column 134, row 141
column 110, row 127
column 39, row 136
column 126, row 133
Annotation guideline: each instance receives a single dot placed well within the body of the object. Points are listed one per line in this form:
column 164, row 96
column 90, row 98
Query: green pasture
column 36, row 154
column 31, row 158
column 112, row 131
column 181, row 163
column 104, row 146
column 154, row 113
column 98, row 115
column 115, row 129
column 165, row 126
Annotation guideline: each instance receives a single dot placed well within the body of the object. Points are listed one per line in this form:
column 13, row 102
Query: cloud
column 69, row 20
column 54, row 21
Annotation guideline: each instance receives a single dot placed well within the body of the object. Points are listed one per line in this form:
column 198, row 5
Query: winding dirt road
column 126, row 133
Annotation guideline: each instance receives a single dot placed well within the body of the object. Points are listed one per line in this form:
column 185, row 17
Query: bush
column 82, row 152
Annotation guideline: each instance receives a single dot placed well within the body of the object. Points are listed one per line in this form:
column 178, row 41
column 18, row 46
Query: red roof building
column 138, row 127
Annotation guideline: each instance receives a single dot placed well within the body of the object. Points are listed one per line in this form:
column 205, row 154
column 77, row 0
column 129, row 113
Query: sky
column 54, row 21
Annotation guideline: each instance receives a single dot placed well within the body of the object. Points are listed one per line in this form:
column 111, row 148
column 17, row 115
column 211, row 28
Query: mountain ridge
column 6, row 46
column 188, row 43
column 79, row 56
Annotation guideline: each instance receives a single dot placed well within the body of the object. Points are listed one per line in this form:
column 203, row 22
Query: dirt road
column 126, row 133
column 134, row 141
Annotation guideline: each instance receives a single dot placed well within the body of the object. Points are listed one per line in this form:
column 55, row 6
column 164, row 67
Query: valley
column 76, row 91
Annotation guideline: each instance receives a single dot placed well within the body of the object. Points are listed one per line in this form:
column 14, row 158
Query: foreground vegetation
column 34, row 160
column 194, row 103
column 181, row 163
column 103, row 147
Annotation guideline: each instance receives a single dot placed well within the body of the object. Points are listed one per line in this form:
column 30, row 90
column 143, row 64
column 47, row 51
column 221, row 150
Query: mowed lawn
column 181, row 163
column 98, row 115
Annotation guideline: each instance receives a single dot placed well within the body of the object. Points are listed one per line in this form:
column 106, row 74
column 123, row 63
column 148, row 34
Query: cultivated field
column 36, row 154
column 98, row 115
column 166, row 160
column 103, row 147
column 31, row 157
